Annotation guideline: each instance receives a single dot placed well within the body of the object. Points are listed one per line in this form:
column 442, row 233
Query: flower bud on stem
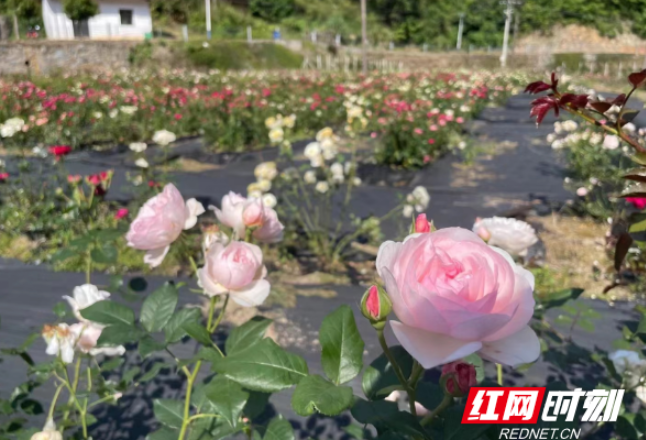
column 376, row 306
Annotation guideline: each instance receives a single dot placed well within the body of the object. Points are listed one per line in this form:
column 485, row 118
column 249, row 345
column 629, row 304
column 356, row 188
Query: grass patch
column 237, row 55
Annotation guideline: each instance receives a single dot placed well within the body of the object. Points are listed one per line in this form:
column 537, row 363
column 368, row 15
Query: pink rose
column 454, row 296
column 236, row 269
column 271, row 229
column 160, row 222
column 239, row 213
column 230, row 213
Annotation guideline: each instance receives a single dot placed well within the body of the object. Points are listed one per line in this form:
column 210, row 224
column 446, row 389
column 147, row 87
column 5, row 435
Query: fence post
column 319, row 62
column 619, row 70
column 185, row 32
column 605, row 69
column 249, row 35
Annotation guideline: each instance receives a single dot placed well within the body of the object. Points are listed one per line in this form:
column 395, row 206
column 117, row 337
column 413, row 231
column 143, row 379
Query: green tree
column 78, row 10
column 272, row 10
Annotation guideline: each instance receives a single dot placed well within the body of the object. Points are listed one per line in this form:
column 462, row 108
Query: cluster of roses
column 232, row 266
column 64, row 340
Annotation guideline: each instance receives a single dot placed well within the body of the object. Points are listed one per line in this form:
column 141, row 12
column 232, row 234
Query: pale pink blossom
column 236, row 269
column 230, row 213
column 454, row 295
column 87, row 335
column 160, row 222
column 240, row 213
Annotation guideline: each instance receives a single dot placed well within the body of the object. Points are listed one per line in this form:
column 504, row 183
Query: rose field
column 293, row 255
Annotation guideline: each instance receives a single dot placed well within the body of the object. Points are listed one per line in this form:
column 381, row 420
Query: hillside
column 404, row 22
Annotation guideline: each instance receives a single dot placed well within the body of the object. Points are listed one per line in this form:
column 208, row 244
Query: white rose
column 509, row 234
column 322, row 187
column 164, row 137
column 138, row 147
column 84, row 296
column 141, row 163
column 269, row 200
column 309, row 177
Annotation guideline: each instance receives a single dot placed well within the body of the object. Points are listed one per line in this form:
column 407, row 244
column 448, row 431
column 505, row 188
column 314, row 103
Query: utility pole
column 364, row 37
column 208, row 18
column 458, row 46
column 505, row 42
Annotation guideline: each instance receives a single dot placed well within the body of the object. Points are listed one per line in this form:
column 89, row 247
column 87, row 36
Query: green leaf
column 112, row 364
column 375, row 413
column 174, row 330
column 429, row 395
column 342, row 346
column 227, row 398
column 560, row 297
column 279, row 429
column 381, row 376
column 129, row 375
column 315, row 394
column 263, row 367
column 118, row 335
column 109, row 313
column 104, row 255
column 256, row 404
column 198, row 332
column 63, row 255
column 209, row 354
column 148, row 345
column 163, row 434
column 153, row 372
column 625, row 427
column 109, row 234
column 476, row 361
column 455, row 430
column 169, row 412
column 158, row 308
column 247, row 334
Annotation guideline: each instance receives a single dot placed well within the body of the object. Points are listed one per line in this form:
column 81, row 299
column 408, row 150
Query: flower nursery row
column 414, row 115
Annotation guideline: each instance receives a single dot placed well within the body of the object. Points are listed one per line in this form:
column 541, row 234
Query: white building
column 117, row 19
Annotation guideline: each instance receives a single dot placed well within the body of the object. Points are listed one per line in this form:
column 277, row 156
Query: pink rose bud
column 422, row 224
column 121, row 213
column 376, row 306
column 458, row 377
column 582, row 192
column 483, row 233
column 253, row 213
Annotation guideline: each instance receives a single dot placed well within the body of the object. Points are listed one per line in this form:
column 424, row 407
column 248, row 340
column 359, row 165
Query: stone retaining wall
column 46, row 57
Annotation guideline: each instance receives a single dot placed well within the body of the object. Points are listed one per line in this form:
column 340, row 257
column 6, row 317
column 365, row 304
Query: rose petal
column 154, row 257
column 432, row 349
column 195, row 209
column 253, row 295
column 521, row 347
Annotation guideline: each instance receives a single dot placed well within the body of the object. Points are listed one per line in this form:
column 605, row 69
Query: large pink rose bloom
column 455, row 296
column 235, row 269
column 160, row 222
